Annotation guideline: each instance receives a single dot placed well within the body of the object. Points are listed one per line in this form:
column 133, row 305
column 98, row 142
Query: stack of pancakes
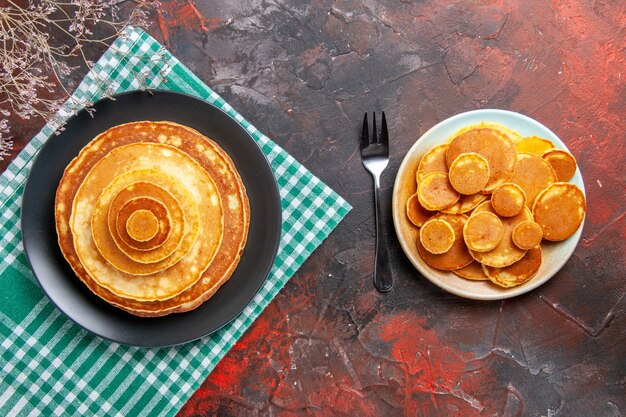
column 485, row 200
column 152, row 217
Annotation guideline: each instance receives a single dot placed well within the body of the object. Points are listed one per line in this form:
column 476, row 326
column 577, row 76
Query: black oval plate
column 73, row 298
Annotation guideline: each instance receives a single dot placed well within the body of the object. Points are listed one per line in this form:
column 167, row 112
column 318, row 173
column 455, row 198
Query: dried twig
column 37, row 40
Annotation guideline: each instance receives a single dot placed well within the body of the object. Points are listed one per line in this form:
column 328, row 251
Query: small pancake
column 534, row 145
column 517, row 273
column 559, row 210
column 433, row 161
column 465, row 204
column 435, row 192
column 496, row 147
column 473, row 271
column 416, row 213
column 506, row 253
column 527, row 235
column 508, row 199
column 469, row 173
column 437, row 236
column 142, row 225
column 562, row 162
column 532, row 174
column 483, row 231
column 458, row 256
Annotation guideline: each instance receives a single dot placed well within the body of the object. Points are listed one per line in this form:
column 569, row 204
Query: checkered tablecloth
column 50, row 366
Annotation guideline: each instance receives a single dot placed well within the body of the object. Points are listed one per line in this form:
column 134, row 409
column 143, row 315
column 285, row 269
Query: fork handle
column 383, row 280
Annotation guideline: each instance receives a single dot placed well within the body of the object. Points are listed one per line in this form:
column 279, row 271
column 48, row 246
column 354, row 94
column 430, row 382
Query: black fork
column 375, row 157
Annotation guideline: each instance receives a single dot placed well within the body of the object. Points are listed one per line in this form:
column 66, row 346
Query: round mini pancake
column 469, row 173
column 437, row 236
column 483, row 231
column 433, row 161
column 534, row 145
column 231, row 192
column 142, row 225
column 458, row 256
column 435, row 192
column 416, row 213
column 473, row 271
column 506, row 253
column 559, row 210
column 532, row 174
column 527, row 235
column 517, row 273
column 496, row 147
column 465, row 204
column 97, row 250
column 508, row 199
column 110, row 238
column 562, row 162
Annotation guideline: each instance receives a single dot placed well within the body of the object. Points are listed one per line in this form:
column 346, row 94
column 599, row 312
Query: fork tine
column 384, row 133
column 365, row 136
column 374, row 134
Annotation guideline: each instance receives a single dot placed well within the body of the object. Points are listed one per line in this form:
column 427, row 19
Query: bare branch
column 32, row 63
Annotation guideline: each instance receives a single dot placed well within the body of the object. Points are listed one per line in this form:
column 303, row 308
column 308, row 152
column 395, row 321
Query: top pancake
column 495, row 146
column 230, row 191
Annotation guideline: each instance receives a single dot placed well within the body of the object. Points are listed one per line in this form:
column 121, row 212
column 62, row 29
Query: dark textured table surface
column 329, row 344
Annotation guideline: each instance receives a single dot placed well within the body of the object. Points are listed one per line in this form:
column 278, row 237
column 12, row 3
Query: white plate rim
column 452, row 124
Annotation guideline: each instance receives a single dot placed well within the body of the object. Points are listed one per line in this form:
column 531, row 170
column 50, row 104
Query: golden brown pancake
column 532, row 174
column 517, row 273
column 562, row 162
column 219, row 168
column 527, row 235
column 508, row 199
column 469, row 173
column 534, row 145
column 496, row 147
column 560, row 210
column 433, row 161
column 473, row 271
column 455, row 258
column 483, row 231
column 506, row 253
column 435, row 192
column 437, row 236
column 416, row 213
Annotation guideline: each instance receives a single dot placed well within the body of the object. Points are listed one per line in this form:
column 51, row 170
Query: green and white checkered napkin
column 49, row 365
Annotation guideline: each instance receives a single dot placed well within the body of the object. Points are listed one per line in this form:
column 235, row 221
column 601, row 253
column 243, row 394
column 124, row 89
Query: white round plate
column 555, row 254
